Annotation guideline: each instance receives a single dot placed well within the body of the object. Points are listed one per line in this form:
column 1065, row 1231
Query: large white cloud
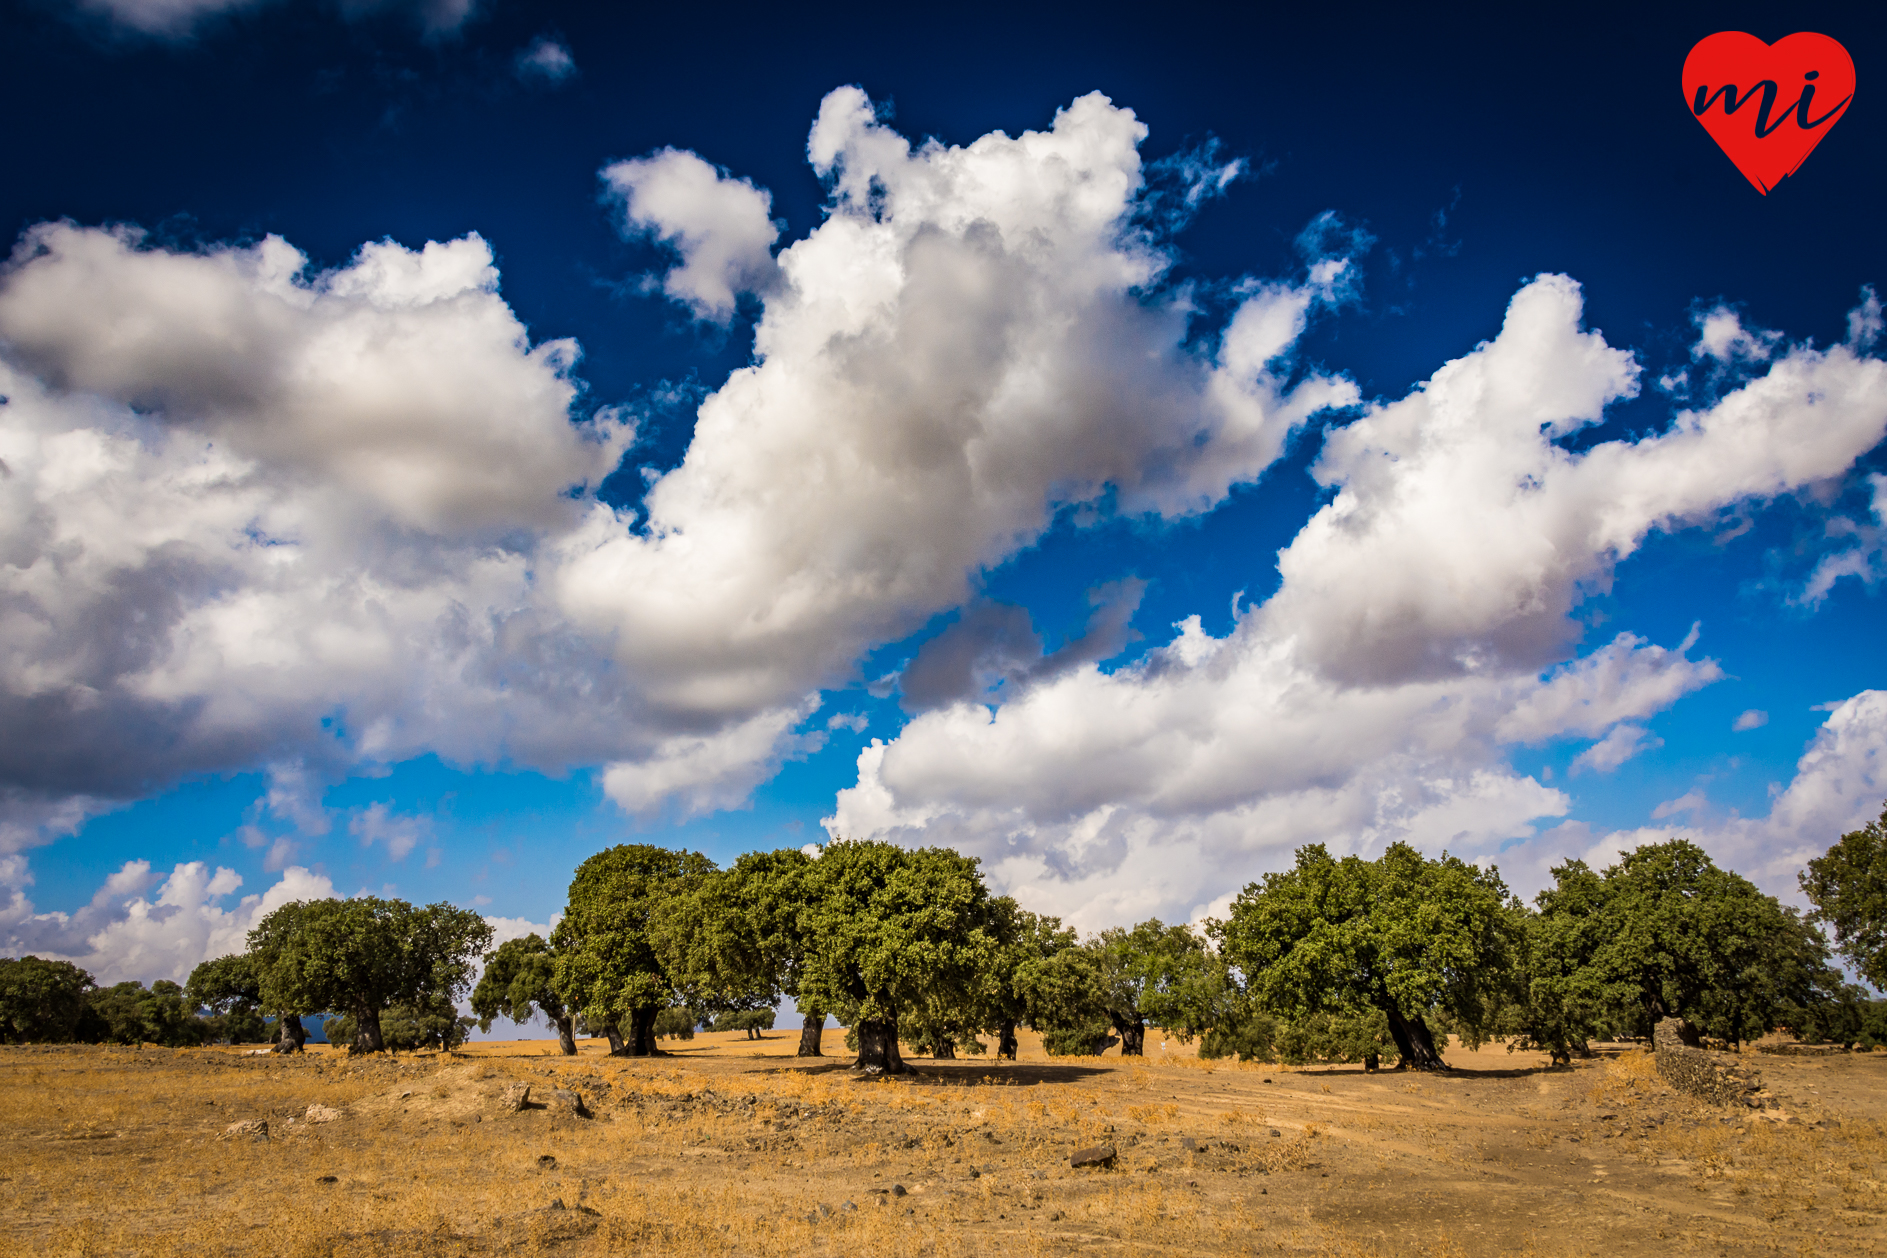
column 1378, row 693
column 254, row 516
column 145, row 927
column 258, row 516
column 963, row 347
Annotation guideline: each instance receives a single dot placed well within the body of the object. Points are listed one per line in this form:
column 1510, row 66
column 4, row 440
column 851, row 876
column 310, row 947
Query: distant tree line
column 1334, row 959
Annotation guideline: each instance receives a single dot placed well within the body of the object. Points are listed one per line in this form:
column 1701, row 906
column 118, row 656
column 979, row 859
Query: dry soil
column 732, row 1146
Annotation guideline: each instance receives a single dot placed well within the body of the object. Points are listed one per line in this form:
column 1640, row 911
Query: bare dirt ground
column 730, row 1146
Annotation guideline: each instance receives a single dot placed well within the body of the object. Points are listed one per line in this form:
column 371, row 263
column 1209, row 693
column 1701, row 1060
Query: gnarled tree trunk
column 616, row 1047
column 878, row 1048
column 945, row 1049
column 1133, row 1035
column 294, row 1034
column 642, row 1032
column 1414, row 1042
column 1006, row 1039
column 367, row 1037
column 811, row 1027
column 566, row 1037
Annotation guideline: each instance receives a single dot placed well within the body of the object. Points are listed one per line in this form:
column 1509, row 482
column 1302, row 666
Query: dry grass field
column 728, row 1146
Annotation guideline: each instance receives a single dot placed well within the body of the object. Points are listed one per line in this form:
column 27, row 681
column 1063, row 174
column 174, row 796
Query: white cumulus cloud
column 1423, row 627
column 721, row 227
column 129, row 932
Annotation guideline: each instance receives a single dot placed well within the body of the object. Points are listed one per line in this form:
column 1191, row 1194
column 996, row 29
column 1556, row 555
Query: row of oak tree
column 1333, row 959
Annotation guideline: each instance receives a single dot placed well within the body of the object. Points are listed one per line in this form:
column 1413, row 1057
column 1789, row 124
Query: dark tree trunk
column 367, row 1037
column 811, row 1027
column 878, row 1048
column 642, row 1032
column 945, row 1049
column 1371, row 1062
column 1133, row 1035
column 294, row 1034
column 566, row 1038
column 616, row 1047
column 1414, row 1042
column 1006, row 1039
column 753, row 1033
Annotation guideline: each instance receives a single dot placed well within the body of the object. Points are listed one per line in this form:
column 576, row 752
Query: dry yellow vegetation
column 729, row 1146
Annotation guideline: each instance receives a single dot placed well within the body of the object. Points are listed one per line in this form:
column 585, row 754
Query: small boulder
column 1189, row 1144
column 1096, row 1155
column 322, row 1114
column 897, row 1190
column 564, row 1101
column 514, row 1097
column 256, row 1130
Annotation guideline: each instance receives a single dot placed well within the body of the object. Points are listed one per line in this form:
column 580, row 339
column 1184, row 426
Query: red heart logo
column 1768, row 105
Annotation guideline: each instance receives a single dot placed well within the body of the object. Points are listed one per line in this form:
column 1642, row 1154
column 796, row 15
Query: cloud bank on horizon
column 256, row 515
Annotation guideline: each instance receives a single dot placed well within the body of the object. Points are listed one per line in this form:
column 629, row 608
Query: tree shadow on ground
column 950, row 1074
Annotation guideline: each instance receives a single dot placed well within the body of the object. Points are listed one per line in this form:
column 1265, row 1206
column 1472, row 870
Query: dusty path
column 730, row 1145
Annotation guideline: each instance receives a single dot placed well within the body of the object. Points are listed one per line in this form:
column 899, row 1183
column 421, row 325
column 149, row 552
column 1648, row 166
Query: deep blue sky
column 1478, row 147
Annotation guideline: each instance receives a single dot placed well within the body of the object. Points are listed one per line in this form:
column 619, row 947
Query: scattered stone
column 515, row 1097
column 897, row 1190
column 322, row 1114
column 1096, row 1155
column 1189, row 1144
column 975, row 1174
column 257, row 1130
column 1276, row 1134
column 546, row 1162
column 328, row 1179
column 852, row 1206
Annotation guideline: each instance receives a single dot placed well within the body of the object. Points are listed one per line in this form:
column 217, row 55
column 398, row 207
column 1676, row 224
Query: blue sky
column 443, row 441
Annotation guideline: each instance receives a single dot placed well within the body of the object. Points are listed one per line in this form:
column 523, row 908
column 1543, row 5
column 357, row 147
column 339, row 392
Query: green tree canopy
column 1665, row 933
column 362, row 956
column 232, row 991
column 134, row 1014
column 224, row 984
column 1064, row 997
column 41, row 1001
column 279, row 987
column 1402, row 934
column 731, row 940
column 1848, row 887
column 1158, row 972
column 519, row 982
column 891, row 932
column 609, row 968
column 1025, row 984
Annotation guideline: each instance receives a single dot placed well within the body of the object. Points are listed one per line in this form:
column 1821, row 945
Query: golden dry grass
column 729, row 1145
